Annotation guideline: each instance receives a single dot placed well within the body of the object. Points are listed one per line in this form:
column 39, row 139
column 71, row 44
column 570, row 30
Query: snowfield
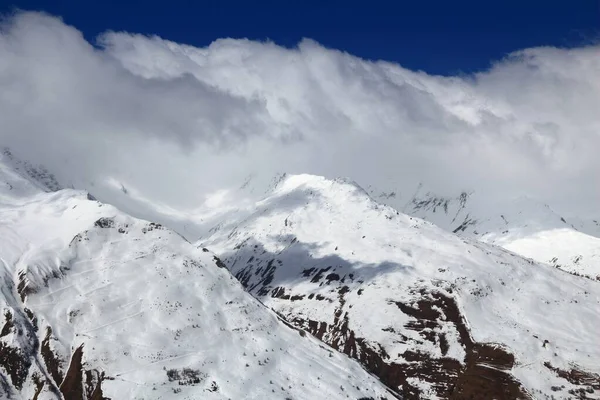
column 99, row 304
column 409, row 299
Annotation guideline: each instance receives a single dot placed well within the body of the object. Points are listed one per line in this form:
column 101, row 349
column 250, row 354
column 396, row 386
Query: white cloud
column 179, row 122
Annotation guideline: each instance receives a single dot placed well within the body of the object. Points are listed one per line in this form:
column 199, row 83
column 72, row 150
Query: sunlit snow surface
column 144, row 302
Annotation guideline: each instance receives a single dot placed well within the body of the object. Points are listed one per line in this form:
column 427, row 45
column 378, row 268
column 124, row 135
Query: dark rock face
column 105, row 223
column 53, row 363
column 13, row 359
column 27, row 358
column 72, row 385
column 17, row 362
column 218, row 262
column 483, row 373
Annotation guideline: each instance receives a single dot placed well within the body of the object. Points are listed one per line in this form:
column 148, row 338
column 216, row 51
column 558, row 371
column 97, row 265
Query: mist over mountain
column 246, row 220
column 149, row 114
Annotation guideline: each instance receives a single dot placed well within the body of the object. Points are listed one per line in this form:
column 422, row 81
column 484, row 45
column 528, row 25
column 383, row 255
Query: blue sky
column 439, row 37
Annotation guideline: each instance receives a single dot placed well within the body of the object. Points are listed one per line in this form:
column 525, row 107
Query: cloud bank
column 176, row 123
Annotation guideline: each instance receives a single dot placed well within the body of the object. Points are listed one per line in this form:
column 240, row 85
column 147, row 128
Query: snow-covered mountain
column 432, row 314
column 96, row 304
column 524, row 225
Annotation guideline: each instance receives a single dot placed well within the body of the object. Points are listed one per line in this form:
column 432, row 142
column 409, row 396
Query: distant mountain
column 431, row 314
column 99, row 305
column 523, row 225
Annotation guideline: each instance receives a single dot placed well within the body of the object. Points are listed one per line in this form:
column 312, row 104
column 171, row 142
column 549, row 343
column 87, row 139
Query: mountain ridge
column 337, row 263
column 97, row 304
column 527, row 226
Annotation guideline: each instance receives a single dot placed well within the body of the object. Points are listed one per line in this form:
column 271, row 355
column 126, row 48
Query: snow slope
column 96, row 304
column 432, row 314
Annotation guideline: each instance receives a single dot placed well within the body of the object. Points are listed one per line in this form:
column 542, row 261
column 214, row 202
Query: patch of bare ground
column 16, row 357
column 8, row 324
column 486, row 375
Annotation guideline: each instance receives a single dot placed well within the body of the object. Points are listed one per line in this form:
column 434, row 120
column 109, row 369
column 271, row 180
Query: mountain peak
column 98, row 303
column 361, row 276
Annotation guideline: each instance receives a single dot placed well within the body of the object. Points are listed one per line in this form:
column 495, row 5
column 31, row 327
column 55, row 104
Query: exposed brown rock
column 39, row 385
column 576, row 376
column 75, row 387
column 93, row 385
column 53, row 363
column 485, row 372
column 72, row 386
column 8, row 324
column 486, row 375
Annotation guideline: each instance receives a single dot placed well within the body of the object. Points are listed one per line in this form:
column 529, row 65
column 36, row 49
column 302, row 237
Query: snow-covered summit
column 432, row 314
